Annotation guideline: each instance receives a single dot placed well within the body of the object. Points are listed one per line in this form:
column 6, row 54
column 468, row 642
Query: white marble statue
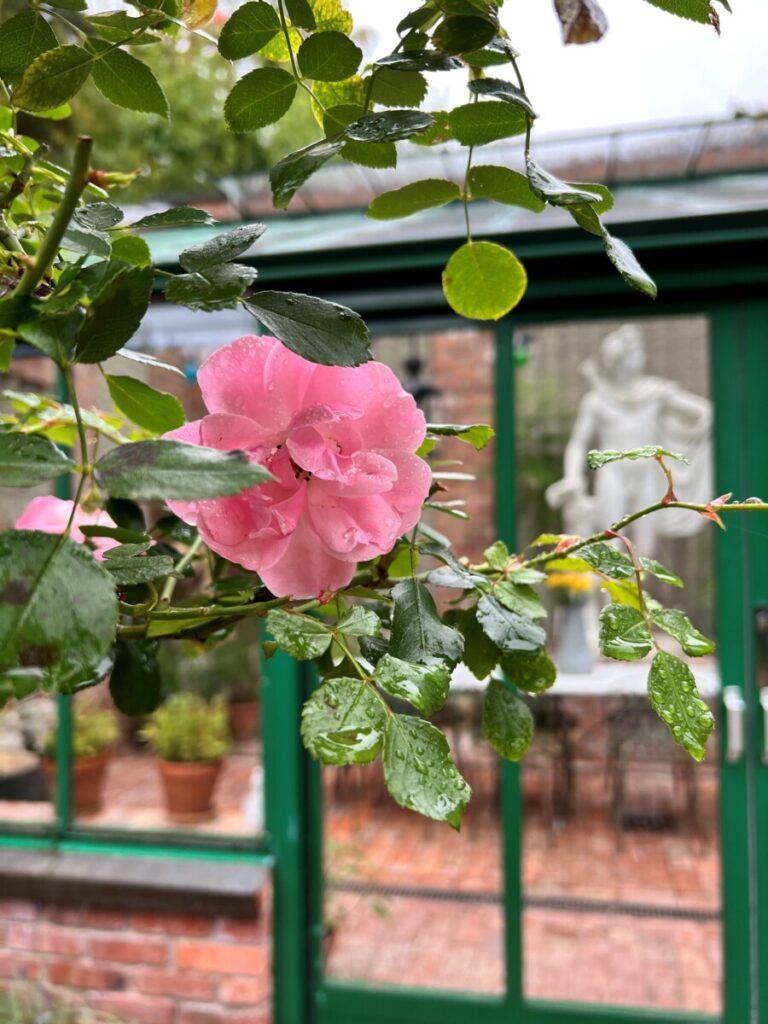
column 625, row 408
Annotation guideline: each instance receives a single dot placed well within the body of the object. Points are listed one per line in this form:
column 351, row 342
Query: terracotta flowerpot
column 189, row 789
column 244, row 719
column 88, row 774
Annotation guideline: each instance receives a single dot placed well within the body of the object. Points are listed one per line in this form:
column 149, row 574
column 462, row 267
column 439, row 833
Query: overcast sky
column 649, row 67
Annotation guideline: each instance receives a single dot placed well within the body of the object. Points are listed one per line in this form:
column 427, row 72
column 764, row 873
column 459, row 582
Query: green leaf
column 329, row 57
column 488, row 57
column 260, row 98
column 334, row 94
column 131, row 549
column 98, row 216
column 360, row 622
column 501, row 185
column 23, row 38
column 424, row 686
column 120, row 533
column 7, row 345
column 596, row 459
column 52, row 78
column 388, row 126
column 693, row 10
column 290, row 173
column 419, row 772
column 497, row 555
column 91, row 243
column 131, row 249
column 519, row 598
column 130, row 572
column 147, row 360
column 370, row 154
column 322, row 332
column 557, row 192
column 675, row 699
column 608, row 560
column 507, row 721
column 418, row 634
column 660, row 572
column 173, row 470
column 127, row 81
column 58, row 612
column 153, row 410
column 54, row 335
column 301, row 14
column 678, row 625
column 461, row 33
column 248, row 29
column 484, row 281
column 412, row 198
column 502, row 90
column 302, row 636
column 343, row 722
column 174, row 217
column 28, row 459
column 419, row 60
column 534, row 673
column 476, row 434
column 480, row 654
column 221, row 248
column 508, row 630
column 213, row 289
column 118, row 27
column 115, row 314
column 627, row 264
column 474, row 124
column 624, row 634
column 136, row 684
column 330, row 14
column 393, row 88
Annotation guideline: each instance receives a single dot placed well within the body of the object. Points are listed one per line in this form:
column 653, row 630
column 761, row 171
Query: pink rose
column 51, row 515
column 340, row 444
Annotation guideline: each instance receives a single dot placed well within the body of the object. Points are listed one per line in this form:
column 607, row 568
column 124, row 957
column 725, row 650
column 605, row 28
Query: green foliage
column 27, row 459
column 596, row 459
column 502, row 185
column 695, row 10
column 410, row 199
column 507, row 721
column 418, row 633
column 249, row 28
column 329, row 57
column 260, row 98
column 301, row 636
column 534, row 673
column 155, row 411
column 127, row 81
column 624, row 633
column 510, row 631
column 320, row 331
column 675, row 699
column 484, row 281
column 94, row 731
column 343, row 722
column 187, row 728
column 424, row 686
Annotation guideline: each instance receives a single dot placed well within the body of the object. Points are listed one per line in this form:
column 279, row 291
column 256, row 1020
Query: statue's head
column 622, row 353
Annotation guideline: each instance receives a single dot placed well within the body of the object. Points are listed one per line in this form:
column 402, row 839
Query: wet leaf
column 343, row 722
column 418, row 633
column 675, row 699
column 624, row 634
column 484, row 281
column 424, row 686
column 507, row 721
column 534, row 673
column 509, row 631
column 27, row 460
column 302, row 636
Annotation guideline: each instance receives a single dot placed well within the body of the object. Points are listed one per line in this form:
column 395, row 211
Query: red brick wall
column 147, row 968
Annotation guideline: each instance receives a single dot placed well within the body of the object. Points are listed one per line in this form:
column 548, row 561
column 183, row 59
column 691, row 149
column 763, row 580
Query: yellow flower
column 578, row 582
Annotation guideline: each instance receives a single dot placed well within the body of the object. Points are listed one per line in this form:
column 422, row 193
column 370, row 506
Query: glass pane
column 409, row 901
column 621, row 857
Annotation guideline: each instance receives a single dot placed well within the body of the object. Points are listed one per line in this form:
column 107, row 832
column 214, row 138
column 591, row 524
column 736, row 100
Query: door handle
column 735, row 707
column 764, row 706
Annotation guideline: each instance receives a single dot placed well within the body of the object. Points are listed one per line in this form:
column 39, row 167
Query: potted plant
column 94, row 732
column 190, row 736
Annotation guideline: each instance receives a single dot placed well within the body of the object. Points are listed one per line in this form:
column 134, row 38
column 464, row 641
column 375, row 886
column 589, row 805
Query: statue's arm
column 695, row 409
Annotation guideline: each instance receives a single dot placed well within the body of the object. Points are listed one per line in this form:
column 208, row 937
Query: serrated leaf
column 343, row 722
column 519, row 598
column 675, row 699
column 52, row 78
column 412, row 198
column 118, row 26
column 370, row 154
column 693, row 10
column 474, row 124
column 388, row 126
column 98, row 216
column 126, row 81
column 608, row 560
column 360, row 622
column 28, row 459
column 461, row 33
column 322, row 332
column 508, row 630
column 329, row 56
column 173, row 470
column 507, row 721
column 301, row 14
column 90, row 243
column 501, row 185
column 461, row 579
column 476, row 434
column 330, row 14
column 334, row 94
column 23, row 37
column 678, row 625
column 418, row 634
column 58, row 612
column 627, row 264
column 290, row 173
column 260, row 98
column 502, row 90
column 131, row 249
column 115, row 314
column 248, row 29
column 175, row 217
column 130, row 572
column 419, row 772
column 302, row 636
column 497, row 555
column 555, row 191
column 480, row 654
column 534, row 673
column 484, row 281
column 54, row 335
column 624, row 634
column 596, row 459
column 423, row 686
column 397, row 88
column 216, row 288
column 419, row 60
column 661, row 572
column 156, row 411
column 221, row 248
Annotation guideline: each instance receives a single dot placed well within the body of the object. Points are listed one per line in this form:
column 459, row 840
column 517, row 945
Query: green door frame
column 739, row 359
